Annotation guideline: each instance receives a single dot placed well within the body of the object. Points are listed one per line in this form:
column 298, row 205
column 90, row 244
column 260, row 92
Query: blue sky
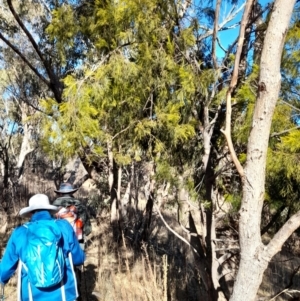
column 228, row 36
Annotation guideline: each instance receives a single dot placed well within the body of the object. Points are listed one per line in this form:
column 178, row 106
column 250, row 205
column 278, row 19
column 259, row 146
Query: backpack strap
column 19, row 280
column 30, row 292
column 73, row 272
column 20, row 266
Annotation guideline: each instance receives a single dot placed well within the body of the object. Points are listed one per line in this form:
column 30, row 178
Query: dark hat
column 66, row 188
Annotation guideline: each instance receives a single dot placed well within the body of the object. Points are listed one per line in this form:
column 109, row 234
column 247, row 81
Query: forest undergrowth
column 157, row 270
column 162, row 269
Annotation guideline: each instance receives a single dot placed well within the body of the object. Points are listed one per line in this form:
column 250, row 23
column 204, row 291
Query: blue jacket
column 67, row 291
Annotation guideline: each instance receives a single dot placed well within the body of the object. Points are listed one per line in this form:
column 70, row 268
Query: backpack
column 81, row 211
column 43, row 257
column 70, row 214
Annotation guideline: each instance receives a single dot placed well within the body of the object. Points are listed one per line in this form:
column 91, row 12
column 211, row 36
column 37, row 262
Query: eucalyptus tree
column 32, row 64
column 20, row 86
column 282, row 174
column 255, row 256
column 26, row 21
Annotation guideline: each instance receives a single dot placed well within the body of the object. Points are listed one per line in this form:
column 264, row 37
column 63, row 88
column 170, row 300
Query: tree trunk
column 147, row 216
column 200, row 260
column 5, row 158
column 112, row 181
column 125, row 201
column 25, row 146
column 254, row 255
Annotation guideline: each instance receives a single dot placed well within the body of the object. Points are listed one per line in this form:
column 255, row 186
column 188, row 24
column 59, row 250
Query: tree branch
column 234, row 78
column 295, row 271
column 54, row 84
column 21, row 24
column 174, row 232
column 282, row 235
column 285, row 131
column 17, row 51
column 229, row 18
column 215, row 33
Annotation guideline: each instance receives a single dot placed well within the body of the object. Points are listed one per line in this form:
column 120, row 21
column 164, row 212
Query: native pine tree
column 134, row 100
column 135, row 95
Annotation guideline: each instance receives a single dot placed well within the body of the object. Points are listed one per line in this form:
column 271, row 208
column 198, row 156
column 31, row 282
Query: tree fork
column 255, row 256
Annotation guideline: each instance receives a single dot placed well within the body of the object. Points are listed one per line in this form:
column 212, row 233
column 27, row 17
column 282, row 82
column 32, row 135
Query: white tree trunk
column 25, row 146
column 254, row 255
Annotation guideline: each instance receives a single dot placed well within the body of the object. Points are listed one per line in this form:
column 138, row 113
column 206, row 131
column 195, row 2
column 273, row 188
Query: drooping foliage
column 141, row 91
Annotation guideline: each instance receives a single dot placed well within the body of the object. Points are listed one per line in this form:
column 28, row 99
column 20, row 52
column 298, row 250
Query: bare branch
column 174, row 232
column 285, row 131
column 184, row 5
column 290, row 105
column 282, row 235
column 287, row 288
column 227, row 131
column 18, row 52
column 229, row 18
column 224, row 258
column 21, row 24
column 215, row 33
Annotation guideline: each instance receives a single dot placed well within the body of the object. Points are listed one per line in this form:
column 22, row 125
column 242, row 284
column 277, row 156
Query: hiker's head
column 66, row 188
column 37, row 202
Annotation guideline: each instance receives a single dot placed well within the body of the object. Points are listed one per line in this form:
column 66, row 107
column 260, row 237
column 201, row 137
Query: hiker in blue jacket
column 39, row 211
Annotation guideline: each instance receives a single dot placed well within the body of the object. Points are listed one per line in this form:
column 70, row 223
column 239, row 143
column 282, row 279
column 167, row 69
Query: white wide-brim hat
column 67, row 188
column 38, row 202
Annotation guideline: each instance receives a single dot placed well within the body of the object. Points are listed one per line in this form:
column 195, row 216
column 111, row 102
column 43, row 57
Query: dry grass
column 163, row 269
column 120, row 274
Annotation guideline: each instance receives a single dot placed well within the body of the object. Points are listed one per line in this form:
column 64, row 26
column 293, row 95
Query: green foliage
column 242, row 158
column 182, row 133
column 283, row 173
column 188, row 37
column 164, row 172
column 245, row 98
column 290, row 64
column 282, row 181
column 291, row 142
column 62, row 30
column 282, row 120
column 122, row 159
column 139, row 96
column 234, row 200
column 142, row 77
